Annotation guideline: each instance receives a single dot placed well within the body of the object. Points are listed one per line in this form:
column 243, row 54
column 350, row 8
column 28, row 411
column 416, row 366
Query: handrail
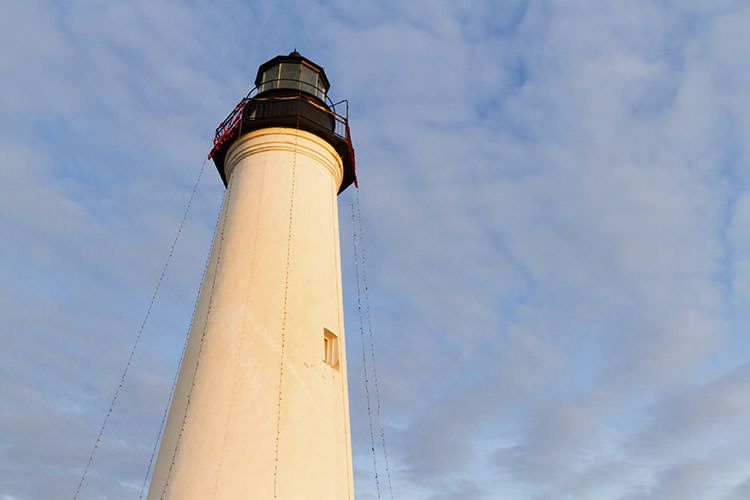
column 327, row 99
column 227, row 128
column 345, row 101
column 316, row 91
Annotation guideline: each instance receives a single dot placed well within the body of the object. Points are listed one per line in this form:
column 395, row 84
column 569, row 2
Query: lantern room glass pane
column 289, row 76
column 293, row 75
column 309, row 79
column 270, row 78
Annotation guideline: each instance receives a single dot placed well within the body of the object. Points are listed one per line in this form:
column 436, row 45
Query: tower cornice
column 285, row 139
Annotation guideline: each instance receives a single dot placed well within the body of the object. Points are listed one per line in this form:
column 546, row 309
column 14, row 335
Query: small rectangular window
column 330, row 348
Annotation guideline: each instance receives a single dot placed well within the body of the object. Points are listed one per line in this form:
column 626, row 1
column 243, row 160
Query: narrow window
column 330, row 348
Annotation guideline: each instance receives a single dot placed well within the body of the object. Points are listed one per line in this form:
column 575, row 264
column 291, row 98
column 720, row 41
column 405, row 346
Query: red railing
column 229, row 128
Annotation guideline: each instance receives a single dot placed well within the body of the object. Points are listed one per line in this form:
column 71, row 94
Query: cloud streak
column 555, row 199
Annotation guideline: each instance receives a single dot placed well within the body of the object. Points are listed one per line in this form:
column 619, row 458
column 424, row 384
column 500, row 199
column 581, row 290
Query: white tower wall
column 233, row 432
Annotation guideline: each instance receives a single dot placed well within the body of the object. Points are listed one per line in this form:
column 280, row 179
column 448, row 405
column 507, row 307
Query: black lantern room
column 292, row 72
column 290, row 91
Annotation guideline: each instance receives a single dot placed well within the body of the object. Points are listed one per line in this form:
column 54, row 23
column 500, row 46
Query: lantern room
column 290, row 91
column 292, row 72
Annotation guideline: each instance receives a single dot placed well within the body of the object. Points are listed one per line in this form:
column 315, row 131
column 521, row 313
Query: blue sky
column 556, row 202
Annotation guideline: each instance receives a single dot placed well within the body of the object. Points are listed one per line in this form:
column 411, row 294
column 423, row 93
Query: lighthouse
column 260, row 409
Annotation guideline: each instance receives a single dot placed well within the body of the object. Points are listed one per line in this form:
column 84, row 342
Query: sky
column 556, row 205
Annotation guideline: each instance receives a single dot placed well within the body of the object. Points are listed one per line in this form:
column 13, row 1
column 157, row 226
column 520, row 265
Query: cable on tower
column 219, row 252
column 138, row 336
column 284, row 312
column 358, row 235
column 237, row 357
column 360, row 313
column 176, row 375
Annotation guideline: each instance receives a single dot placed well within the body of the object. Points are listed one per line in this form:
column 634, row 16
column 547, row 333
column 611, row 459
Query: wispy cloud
column 555, row 198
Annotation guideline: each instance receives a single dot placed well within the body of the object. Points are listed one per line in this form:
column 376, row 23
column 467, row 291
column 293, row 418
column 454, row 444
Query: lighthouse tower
column 260, row 410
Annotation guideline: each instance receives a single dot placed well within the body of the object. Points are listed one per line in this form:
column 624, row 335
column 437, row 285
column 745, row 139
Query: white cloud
column 555, row 203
